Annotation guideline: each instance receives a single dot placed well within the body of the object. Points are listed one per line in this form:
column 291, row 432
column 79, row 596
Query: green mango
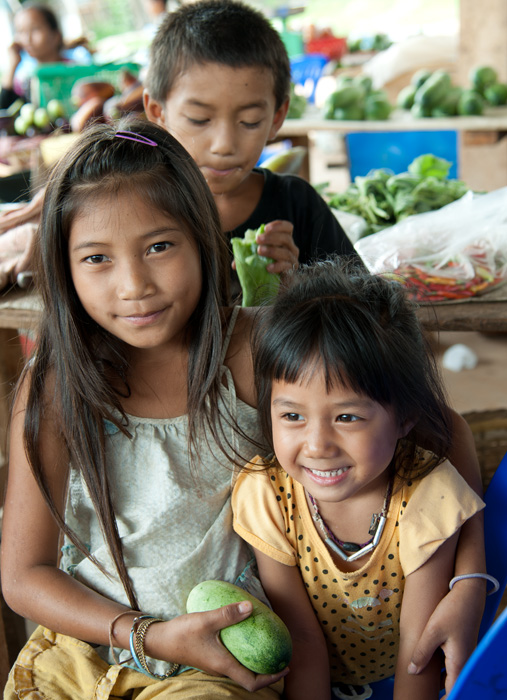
column 261, row 643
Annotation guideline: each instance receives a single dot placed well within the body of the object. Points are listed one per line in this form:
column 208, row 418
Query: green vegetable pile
column 377, row 42
column 355, row 99
column 257, row 284
column 297, row 104
column 432, row 94
column 382, row 199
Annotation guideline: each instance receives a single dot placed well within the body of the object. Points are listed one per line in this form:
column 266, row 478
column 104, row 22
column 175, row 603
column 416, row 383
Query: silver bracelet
column 491, row 579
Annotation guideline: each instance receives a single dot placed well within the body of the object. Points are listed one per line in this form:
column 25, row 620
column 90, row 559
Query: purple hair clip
column 133, row 136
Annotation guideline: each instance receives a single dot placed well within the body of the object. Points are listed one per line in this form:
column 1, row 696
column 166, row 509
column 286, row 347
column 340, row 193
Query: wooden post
column 483, row 28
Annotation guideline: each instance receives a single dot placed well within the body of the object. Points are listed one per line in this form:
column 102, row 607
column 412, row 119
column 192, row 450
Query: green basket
column 55, row 80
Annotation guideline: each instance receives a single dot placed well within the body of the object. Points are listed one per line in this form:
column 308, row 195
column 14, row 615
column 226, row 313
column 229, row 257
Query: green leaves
column 383, row 199
column 257, row 284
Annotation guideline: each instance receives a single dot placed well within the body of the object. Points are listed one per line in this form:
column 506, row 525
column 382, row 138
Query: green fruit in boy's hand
column 261, row 643
column 257, row 284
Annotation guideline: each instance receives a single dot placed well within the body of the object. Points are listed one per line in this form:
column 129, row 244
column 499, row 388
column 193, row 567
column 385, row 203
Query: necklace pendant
column 375, row 519
column 350, row 546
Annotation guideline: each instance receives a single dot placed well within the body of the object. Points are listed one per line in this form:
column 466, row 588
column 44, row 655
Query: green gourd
column 261, row 643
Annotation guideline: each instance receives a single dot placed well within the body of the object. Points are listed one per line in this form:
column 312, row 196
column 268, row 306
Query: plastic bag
column 411, row 54
column 455, row 252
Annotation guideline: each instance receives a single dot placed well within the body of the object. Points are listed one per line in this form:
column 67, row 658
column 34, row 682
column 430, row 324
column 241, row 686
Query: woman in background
column 37, row 39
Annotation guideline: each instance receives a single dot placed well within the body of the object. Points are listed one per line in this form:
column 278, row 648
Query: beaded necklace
column 378, row 521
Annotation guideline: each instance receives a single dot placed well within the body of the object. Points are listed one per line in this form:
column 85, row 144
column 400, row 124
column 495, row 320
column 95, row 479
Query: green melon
column 261, row 643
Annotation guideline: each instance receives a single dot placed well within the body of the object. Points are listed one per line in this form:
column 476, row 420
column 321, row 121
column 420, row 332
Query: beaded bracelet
column 137, row 635
column 491, row 579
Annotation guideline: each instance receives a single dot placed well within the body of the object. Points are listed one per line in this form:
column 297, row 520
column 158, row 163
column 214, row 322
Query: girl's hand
column 453, row 626
column 196, row 642
column 276, row 242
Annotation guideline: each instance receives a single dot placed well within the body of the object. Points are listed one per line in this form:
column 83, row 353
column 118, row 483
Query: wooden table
column 483, row 316
column 22, row 309
column 492, row 120
column 482, row 148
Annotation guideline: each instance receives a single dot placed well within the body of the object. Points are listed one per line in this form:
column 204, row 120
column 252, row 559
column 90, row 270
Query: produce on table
column 354, row 99
column 482, row 77
column 55, row 109
column 496, row 94
column 377, row 42
column 32, row 120
column 258, row 285
column 297, row 104
column 8, row 117
column 426, row 285
column 453, row 253
column 97, row 100
column 470, row 102
column 382, row 198
column 433, row 90
column 288, row 161
column 261, row 643
column 432, row 94
column 485, row 81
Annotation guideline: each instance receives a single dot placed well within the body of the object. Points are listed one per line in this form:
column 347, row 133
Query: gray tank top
column 175, row 521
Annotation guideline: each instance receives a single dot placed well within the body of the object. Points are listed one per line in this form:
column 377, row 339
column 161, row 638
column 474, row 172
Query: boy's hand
column 454, row 627
column 276, row 242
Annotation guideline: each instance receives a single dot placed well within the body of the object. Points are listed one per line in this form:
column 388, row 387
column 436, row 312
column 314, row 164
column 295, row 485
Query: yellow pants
column 55, row 667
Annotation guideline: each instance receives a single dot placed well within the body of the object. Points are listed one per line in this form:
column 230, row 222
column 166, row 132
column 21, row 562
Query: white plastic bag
column 454, row 252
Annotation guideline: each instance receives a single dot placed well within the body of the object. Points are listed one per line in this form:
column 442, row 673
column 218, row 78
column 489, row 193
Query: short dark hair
column 363, row 331
column 216, row 31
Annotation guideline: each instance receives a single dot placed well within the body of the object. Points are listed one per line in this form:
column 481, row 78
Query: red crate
column 333, row 47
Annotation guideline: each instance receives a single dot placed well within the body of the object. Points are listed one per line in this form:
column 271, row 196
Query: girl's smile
column 331, row 476
column 337, row 443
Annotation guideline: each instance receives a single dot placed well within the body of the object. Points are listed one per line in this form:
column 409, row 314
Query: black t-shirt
column 317, row 232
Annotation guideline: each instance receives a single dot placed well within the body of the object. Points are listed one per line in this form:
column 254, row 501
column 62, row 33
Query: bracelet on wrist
column 487, row 577
column 137, row 634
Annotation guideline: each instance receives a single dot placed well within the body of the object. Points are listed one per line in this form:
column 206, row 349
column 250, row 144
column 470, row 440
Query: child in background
column 349, row 395
column 219, row 81
column 124, row 427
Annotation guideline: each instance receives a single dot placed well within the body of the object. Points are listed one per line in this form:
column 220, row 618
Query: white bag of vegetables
column 453, row 253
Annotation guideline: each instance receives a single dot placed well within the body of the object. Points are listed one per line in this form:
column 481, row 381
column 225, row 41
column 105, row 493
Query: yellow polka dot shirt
column 359, row 611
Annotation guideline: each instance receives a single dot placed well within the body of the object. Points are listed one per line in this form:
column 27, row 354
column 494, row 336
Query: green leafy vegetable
column 429, row 165
column 258, row 285
column 383, row 199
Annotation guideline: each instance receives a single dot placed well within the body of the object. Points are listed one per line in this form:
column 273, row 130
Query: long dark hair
column 75, row 359
column 363, row 331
